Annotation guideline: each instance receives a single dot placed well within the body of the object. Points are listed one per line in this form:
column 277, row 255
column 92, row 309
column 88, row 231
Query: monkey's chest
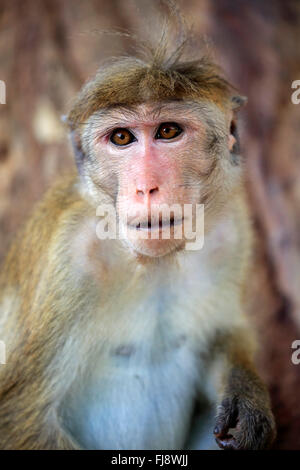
column 138, row 399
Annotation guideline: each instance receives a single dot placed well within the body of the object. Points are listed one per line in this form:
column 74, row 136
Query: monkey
column 136, row 341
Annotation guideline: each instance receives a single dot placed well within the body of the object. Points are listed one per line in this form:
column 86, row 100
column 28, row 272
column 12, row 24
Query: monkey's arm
column 33, row 320
column 244, row 417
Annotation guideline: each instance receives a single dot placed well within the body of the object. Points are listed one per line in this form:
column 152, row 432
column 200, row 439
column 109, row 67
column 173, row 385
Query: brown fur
column 157, row 73
column 131, row 81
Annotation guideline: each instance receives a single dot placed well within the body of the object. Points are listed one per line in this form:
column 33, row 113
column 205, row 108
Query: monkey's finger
column 226, row 418
column 227, row 443
column 255, row 431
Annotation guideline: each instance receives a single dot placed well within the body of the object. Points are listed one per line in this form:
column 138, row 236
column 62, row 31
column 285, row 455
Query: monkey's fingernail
column 217, row 430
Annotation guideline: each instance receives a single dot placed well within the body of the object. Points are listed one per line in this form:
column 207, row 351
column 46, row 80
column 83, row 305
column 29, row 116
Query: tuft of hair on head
column 157, row 72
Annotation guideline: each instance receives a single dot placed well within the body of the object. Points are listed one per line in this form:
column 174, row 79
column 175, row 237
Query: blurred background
column 49, row 48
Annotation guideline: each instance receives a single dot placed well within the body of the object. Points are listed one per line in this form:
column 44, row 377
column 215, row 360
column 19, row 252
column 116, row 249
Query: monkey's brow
column 120, row 116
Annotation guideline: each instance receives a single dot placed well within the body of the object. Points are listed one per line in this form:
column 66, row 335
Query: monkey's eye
column 122, row 137
column 168, row 130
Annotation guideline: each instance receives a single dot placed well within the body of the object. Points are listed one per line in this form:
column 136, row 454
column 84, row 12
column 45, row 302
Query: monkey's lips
column 155, row 237
column 155, row 224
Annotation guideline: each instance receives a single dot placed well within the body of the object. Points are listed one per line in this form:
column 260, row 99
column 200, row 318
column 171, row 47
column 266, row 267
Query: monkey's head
column 154, row 134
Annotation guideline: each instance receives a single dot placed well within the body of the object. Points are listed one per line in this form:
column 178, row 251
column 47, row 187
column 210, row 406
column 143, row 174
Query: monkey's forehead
column 151, row 114
column 121, row 86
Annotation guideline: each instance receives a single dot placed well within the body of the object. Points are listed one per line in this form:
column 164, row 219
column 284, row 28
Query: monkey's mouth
column 155, row 223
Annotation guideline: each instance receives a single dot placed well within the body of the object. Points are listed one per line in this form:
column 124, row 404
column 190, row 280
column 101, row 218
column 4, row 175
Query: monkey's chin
column 155, row 248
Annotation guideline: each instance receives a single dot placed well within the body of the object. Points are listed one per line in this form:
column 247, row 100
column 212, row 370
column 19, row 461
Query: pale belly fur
column 135, row 405
column 140, row 393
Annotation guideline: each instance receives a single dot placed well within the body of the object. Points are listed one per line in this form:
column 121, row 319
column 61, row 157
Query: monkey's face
column 157, row 162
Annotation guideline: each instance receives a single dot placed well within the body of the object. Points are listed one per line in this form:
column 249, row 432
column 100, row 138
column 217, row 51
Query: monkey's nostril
column 153, row 190
column 141, row 192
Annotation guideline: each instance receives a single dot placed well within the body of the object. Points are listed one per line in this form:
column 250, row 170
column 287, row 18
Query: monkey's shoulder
column 30, row 247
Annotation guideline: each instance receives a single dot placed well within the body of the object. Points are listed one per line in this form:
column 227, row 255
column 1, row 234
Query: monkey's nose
column 146, row 191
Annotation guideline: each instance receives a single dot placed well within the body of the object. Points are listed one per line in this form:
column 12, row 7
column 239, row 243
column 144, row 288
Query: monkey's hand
column 245, row 420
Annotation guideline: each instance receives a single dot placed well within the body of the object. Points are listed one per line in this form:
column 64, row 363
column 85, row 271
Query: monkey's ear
column 77, row 148
column 238, row 101
column 75, row 139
